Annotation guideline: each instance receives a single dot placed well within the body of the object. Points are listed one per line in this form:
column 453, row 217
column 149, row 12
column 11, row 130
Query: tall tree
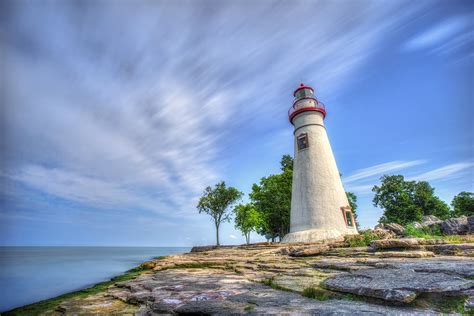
column 407, row 201
column 353, row 204
column 216, row 201
column 463, row 204
column 247, row 219
column 272, row 199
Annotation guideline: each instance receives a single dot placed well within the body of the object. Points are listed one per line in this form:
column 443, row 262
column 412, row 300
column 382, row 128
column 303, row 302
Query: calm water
column 31, row 274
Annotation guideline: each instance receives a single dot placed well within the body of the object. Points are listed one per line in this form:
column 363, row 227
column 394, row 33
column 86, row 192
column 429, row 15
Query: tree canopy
column 405, row 202
column 463, row 204
column 247, row 219
column 216, row 201
column 272, row 199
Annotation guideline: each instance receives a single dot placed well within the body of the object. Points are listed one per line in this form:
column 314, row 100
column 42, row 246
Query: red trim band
column 292, row 115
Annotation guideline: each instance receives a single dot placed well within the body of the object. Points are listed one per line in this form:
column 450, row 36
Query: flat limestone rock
column 309, row 251
column 396, row 243
column 95, row 304
column 460, row 267
column 404, row 254
column 453, row 249
column 399, row 285
column 201, row 291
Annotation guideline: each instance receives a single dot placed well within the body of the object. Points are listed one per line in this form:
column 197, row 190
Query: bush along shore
column 380, row 271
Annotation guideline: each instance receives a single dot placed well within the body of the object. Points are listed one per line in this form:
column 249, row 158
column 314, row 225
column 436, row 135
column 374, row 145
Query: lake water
column 31, row 274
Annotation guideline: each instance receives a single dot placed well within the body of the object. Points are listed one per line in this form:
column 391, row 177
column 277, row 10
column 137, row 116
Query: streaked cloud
column 446, row 36
column 381, row 169
column 143, row 118
column 447, row 172
column 358, row 181
column 359, row 189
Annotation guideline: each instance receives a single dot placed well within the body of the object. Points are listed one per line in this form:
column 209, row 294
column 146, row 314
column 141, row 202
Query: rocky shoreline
column 391, row 276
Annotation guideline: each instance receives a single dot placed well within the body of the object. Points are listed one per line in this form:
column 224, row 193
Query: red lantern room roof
column 305, row 101
column 302, row 86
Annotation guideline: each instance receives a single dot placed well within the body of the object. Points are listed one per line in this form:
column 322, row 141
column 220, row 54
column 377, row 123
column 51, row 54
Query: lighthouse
column 319, row 206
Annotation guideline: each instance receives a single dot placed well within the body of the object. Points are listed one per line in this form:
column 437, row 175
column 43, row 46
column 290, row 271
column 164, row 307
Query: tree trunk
column 217, row 235
column 247, row 238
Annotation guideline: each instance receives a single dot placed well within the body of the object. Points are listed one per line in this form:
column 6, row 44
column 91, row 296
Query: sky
column 115, row 115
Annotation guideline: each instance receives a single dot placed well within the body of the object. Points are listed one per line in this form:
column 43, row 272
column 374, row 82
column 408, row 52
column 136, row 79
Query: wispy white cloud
column 381, row 169
column 446, row 36
column 447, row 172
column 360, row 189
column 232, row 236
column 113, row 114
column 357, row 182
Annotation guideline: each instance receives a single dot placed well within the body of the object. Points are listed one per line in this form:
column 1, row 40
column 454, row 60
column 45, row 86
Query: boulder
column 384, row 233
column 396, row 228
column 429, row 220
column 470, row 224
column 379, row 226
column 396, row 285
column 455, row 226
column 417, row 225
column 396, row 243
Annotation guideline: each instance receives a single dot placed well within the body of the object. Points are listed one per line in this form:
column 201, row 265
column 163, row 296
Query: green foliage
column 272, row 199
column 271, row 282
column 215, row 202
column 434, row 232
column 463, row 204
column 424, row 232
column 247, row 219
column 315, row 293
column 362, row 240
column 286, row 163
column 407, row 201
column 353, row 204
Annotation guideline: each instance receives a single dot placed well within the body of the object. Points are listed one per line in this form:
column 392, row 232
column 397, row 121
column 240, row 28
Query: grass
column 442, row 303
column 316, row 293
column 434, row 232
column 50, row 304
column 271, row 283
column 362, row 240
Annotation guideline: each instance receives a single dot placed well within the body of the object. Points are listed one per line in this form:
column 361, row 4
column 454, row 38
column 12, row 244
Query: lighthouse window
column 302, row 141
column 349, row 219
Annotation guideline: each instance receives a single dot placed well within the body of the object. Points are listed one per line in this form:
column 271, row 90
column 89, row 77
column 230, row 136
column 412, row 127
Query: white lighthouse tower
column 319, row 206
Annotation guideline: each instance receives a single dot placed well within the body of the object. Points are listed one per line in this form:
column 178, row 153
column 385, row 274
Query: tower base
column 313, row 235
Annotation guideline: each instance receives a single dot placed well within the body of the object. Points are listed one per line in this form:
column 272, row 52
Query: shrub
column 363, row 239
column 428, row 232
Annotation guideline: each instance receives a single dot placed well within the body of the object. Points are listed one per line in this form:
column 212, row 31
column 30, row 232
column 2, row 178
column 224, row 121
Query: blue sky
column 117, row 114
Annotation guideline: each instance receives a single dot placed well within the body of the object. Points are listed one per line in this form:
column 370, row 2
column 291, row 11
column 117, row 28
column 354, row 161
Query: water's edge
column 89, row 289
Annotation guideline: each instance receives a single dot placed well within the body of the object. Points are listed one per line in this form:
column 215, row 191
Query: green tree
column 247, row 219
column 405, row 202
column 216, row 201
column 272, row 199
column 353, row 204
column 463, row 204
column 286, row 163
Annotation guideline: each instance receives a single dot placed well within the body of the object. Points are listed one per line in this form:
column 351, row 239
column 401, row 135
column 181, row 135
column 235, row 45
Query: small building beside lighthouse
column 319, row 206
